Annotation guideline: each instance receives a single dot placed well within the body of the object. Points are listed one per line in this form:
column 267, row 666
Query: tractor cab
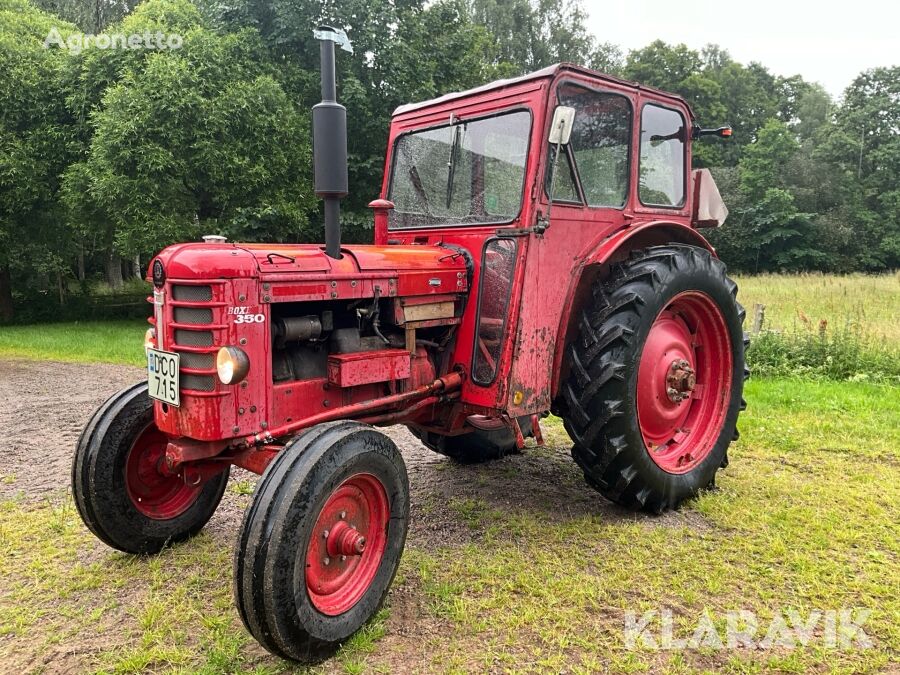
column 541, row 214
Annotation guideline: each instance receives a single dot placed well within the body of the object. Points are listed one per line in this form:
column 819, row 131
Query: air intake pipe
column 330, row 139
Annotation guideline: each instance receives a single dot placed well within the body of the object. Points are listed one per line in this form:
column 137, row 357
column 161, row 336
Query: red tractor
column 536, row 250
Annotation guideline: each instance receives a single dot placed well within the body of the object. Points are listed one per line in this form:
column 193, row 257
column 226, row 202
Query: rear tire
column 119, row 493
column 476, row 447
column 655, row 378
column 303, row 581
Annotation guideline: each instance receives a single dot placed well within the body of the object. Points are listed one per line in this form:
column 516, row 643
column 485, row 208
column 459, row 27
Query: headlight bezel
column 232, row 365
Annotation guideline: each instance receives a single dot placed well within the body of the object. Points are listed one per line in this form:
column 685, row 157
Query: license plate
column 162, row 376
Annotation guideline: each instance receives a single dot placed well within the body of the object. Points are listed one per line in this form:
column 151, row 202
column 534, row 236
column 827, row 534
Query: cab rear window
column 663, row 134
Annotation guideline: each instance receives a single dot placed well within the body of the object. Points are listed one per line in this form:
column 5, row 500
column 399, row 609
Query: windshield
column 467, row 173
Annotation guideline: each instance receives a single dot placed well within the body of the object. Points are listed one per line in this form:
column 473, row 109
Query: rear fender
column 595, row 265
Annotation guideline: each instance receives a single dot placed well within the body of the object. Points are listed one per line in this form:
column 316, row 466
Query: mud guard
column 593, row 265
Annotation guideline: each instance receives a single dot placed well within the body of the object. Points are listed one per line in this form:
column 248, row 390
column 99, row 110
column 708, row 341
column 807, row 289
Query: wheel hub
column 680, row 381
column 344, row 539
column 154, row 491
column 684, row 377
column 347, row 544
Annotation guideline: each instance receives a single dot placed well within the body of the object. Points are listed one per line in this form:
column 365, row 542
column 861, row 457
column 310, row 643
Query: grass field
column 803, row 519
column 86, row 341
column 822, row 326
column 869, row 304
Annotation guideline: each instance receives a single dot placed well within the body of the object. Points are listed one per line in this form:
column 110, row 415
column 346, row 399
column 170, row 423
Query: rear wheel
column 322, row 539
column 120, row 490
column 491, row 440
column 655, row 378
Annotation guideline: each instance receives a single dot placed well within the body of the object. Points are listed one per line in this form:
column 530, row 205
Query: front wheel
column 120, row 491
column 321, row 540
column 655, row 378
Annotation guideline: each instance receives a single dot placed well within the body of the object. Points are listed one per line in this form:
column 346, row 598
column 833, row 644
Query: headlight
column 150, row 338
column 232, row 365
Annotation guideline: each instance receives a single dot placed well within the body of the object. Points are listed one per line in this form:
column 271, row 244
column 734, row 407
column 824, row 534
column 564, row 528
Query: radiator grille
column 198, row 315
column 186, row 338
column 193, row 338
column 197, row 382
column 192, row 360
column 192, row 293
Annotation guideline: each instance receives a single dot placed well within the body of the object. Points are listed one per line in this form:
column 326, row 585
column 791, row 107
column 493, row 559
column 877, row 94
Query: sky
column 827, row 42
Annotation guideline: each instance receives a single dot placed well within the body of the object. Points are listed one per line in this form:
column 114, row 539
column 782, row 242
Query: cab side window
column 598, row 148
column 663, row 133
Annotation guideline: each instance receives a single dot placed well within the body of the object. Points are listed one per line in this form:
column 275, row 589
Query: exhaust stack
column 330, row 139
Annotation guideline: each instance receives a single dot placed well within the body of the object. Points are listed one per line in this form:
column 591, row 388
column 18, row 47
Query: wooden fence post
column 759, row 316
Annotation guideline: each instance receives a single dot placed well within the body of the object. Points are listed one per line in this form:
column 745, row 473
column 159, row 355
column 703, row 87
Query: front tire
column 655, row 378
column 119, row 491
column 321, row 540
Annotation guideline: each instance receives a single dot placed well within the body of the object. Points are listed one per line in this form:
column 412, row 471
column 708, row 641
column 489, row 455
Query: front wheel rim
column 155, row 494
column 684, row 382
column 347, row 544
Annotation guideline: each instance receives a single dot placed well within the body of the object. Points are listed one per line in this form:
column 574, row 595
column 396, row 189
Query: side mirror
column 561, row 127
column 721, row 132
column 560, row 132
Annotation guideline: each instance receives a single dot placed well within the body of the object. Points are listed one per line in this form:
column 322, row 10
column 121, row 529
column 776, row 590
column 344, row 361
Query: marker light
column 232, row 365
column 150, row 338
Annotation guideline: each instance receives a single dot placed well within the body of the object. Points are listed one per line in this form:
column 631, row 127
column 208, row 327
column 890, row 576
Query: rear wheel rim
column 347, row 544
column 155, row 494
column 684, row 382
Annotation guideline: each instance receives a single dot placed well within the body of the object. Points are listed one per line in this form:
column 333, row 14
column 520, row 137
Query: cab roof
column 545, row 73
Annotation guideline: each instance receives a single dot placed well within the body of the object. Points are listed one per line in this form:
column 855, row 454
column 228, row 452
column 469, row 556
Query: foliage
column 843, row 353
column 198, row 139
column 533, row 34
column 36, row 144
column 91, row 16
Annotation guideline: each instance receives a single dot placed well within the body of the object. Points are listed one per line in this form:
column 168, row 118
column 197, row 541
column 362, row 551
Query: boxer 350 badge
column 243, row 315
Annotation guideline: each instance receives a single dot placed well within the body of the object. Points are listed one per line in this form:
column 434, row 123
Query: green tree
column 662, row 65
column 194, row 140
column 864, row 146
column 90, row 74
column 92, row 16
column 36, row 144
column 768, row 231
column 402, row 51
column 533, row 34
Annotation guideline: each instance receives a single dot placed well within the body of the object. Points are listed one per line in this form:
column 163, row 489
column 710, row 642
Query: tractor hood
column 229, row 261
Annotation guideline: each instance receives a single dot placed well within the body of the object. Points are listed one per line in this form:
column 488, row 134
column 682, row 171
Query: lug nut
column 327, row 561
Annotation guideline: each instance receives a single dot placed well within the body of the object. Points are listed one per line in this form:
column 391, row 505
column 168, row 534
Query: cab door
column 591, row 189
